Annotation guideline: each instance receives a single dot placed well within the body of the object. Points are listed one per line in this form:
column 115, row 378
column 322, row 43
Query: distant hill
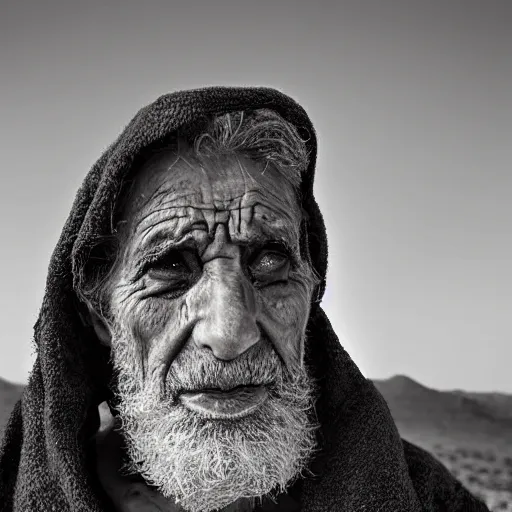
column 470, row 433
column 499, row 403
column 457, row 416
column 9, row 394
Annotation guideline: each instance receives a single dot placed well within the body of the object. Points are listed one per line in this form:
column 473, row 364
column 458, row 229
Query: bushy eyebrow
column 160, row 241
column 163, row 245
column 158, row 231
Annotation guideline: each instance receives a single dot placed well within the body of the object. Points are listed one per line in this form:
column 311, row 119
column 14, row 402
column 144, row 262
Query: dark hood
column 44, row 464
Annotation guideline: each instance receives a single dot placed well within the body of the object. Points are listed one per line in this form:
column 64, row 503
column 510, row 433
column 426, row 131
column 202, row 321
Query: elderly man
column 184, row 293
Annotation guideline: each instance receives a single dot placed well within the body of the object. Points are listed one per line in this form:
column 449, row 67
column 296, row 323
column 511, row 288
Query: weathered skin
column 228, row 292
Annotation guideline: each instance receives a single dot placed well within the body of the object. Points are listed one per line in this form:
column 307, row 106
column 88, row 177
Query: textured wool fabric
column 45, row 464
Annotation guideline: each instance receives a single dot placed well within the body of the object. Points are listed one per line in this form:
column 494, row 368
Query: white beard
column 204, row 464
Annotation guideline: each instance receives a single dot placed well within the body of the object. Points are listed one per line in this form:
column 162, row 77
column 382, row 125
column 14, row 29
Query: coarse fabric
column 46, row 463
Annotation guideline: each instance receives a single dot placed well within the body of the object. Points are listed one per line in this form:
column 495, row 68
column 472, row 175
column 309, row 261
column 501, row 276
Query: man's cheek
column 290, row 304
column 284, row 319
column 151, row 317
column 156, row 329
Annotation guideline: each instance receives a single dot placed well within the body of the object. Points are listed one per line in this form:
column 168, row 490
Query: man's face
column 210, row 303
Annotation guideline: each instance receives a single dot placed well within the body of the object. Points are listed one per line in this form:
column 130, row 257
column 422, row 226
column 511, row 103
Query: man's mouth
column 221, row 404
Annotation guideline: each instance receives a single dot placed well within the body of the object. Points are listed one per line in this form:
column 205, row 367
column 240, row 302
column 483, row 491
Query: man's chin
column 205, row 464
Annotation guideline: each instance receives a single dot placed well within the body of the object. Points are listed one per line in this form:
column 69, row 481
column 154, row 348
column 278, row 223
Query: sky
column 411, row 100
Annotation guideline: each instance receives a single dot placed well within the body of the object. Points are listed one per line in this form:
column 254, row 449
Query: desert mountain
column 9, row 395
column 499, row 403
column 454, row 416
column 470, row 433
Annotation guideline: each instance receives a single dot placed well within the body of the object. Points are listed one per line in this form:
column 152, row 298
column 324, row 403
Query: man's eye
column 271, row 261
column 270, row 266
column 173, row 264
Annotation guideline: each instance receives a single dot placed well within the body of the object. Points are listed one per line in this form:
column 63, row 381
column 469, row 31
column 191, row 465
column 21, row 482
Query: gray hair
column 262, row 135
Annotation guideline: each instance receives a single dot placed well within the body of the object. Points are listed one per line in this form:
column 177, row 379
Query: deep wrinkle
column 213, row 208
column 244, row 206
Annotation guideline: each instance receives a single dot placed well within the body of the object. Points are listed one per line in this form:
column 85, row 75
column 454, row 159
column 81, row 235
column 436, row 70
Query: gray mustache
column 195, row 370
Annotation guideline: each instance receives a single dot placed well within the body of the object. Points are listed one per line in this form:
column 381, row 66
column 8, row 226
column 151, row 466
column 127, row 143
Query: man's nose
column 228, row 326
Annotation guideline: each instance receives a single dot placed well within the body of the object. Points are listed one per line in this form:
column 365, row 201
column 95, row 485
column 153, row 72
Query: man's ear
column 100, row 328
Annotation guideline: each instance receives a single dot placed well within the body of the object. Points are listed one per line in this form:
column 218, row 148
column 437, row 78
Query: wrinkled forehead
column 169, row 180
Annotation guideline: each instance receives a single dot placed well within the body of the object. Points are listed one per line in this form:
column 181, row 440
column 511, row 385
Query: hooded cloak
column 46, row 463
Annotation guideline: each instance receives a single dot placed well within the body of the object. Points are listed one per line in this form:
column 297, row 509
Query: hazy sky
column 412, row 101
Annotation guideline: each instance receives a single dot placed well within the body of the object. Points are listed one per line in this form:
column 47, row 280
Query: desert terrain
column 470, row 433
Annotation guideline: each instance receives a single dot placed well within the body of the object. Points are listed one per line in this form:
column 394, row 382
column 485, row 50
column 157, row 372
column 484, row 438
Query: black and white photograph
column 256, row 256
